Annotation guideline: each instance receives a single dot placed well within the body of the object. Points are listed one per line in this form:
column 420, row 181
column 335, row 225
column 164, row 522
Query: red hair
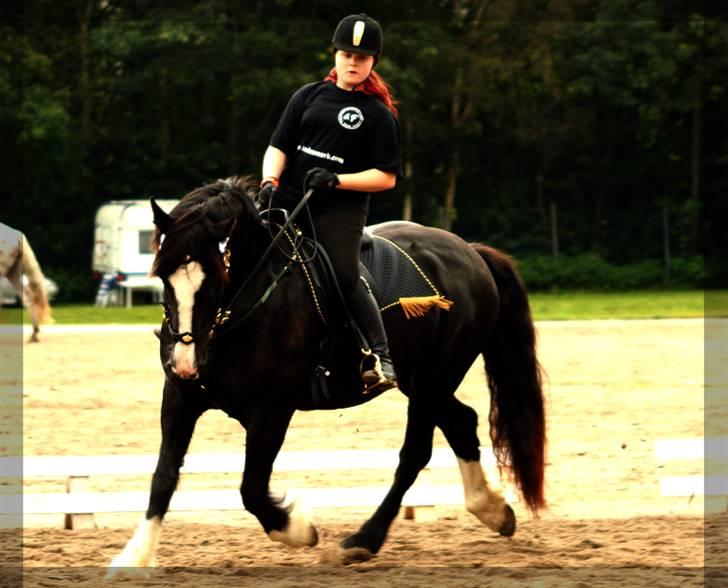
column 373, row 85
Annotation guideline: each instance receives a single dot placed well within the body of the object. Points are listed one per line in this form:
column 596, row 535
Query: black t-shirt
column 342, row 131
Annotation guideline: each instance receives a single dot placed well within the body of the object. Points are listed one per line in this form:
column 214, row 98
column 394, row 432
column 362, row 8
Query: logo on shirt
column 350, row 118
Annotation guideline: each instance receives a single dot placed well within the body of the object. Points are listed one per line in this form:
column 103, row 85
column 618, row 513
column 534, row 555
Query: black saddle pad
column 393, row 273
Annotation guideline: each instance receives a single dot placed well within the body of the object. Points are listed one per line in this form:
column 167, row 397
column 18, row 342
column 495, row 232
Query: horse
column 241, row 334
column 17, row 261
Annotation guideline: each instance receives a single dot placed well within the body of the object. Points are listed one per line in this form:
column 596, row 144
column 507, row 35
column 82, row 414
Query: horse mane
column 204, row 218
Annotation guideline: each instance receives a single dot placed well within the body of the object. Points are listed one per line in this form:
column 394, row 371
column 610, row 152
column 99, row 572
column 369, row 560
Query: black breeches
column 340, row 231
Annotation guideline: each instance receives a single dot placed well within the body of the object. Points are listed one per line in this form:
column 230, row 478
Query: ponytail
column 374, row 85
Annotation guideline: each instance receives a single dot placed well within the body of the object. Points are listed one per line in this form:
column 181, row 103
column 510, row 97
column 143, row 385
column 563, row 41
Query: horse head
column 194, row 242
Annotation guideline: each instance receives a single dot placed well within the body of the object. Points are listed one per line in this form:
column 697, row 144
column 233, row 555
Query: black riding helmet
column 359, row 33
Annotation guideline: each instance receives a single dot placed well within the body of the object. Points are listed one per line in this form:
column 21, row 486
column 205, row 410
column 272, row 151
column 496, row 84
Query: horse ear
column 161, row 218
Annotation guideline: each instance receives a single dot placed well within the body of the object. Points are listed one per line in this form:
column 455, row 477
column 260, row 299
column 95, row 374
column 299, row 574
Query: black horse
column 241, row 334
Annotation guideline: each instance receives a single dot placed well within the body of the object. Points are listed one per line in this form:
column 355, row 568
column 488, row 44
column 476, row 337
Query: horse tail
column 36, row 285
column 517, row 415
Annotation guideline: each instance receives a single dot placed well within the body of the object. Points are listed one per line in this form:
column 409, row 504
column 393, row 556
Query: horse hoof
column 300, row 532
column 117, row 573
column 345, row 556
column 314, row 537
column 508, row 526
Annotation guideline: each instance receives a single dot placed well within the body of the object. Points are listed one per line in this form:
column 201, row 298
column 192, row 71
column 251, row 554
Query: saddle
column 395, row 279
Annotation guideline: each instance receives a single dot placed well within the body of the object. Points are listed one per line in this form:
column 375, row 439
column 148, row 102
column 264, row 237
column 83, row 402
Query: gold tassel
column 417, row 306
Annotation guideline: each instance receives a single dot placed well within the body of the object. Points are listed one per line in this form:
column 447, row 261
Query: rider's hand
column 265, row 194
column 319, row 178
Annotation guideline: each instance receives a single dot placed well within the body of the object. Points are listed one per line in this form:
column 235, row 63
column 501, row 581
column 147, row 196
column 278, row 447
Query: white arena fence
column 79, row 505
column 712, row 451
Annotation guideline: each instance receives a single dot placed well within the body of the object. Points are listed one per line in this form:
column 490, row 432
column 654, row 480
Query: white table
column 143, row 284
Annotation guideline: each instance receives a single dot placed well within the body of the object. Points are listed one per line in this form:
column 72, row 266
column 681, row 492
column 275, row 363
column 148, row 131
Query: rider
column 340, row 137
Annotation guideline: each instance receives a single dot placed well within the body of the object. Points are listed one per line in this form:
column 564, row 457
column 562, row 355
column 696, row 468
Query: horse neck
column 246, row 248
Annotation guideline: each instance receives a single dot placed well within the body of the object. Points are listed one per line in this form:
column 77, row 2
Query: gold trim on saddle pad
column 417, row 306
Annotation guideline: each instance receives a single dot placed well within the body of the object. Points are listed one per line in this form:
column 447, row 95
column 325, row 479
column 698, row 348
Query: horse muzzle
column 183, row 361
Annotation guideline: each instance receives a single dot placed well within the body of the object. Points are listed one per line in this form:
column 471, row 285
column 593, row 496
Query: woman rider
column 340, row 137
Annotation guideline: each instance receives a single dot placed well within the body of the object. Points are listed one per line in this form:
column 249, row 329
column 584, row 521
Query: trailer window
column 145, row 241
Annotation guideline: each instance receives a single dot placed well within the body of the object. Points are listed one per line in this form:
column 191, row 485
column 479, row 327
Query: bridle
column 185, row 337
column 222, row 324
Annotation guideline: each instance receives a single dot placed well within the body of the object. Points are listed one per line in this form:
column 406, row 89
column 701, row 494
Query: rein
column 223, row 316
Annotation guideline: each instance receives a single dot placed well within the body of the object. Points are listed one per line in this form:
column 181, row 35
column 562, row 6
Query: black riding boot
column 378, row 374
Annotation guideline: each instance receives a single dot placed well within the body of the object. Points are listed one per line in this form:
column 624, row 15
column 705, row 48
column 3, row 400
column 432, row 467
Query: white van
column 122, row 254
column 123, row 233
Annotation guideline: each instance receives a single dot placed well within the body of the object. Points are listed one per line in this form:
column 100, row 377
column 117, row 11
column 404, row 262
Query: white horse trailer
column 122, row 254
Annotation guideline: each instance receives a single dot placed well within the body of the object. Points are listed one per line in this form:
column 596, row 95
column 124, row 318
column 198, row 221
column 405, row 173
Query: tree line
column 543, row 127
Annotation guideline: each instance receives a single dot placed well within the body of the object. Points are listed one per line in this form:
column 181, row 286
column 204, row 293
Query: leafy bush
column 591, row 272
column 74, row 285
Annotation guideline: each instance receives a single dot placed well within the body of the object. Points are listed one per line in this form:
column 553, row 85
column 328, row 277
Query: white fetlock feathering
column 141, row 549
column 300, row 531
column 487, row 505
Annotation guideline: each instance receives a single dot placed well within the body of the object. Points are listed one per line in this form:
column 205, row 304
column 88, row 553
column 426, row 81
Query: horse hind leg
column 413, row 457
column 459, row 424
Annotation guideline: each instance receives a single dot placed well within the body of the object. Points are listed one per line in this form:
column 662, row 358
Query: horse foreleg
column 15, row 277
column 34, row 319
column 459, row 424
column 265, row 434
column 414, row 455
column 179, row 416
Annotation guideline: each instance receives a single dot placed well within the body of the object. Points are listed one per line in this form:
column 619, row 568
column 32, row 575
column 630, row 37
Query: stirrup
column 374, row 378
column 382, row 385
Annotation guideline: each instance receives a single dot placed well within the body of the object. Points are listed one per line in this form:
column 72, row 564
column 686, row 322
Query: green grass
column 89, row 314
column 545, row 306
column 626, row 305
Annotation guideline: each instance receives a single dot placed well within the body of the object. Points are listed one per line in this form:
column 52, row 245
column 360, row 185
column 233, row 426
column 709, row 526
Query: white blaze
column 185, row 282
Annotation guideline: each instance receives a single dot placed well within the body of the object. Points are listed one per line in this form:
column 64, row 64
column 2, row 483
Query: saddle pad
column 398, row 280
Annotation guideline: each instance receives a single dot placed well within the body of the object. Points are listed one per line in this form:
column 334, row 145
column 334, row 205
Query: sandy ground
column 613, row 389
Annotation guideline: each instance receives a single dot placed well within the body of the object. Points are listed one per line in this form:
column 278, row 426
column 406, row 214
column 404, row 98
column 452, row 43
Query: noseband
column 187, row 337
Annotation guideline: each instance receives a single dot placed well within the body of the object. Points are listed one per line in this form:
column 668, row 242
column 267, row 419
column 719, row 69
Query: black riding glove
column 265, row 194
column 319, row 178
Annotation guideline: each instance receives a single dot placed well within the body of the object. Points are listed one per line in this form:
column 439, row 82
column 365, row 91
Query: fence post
column 78, row 484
